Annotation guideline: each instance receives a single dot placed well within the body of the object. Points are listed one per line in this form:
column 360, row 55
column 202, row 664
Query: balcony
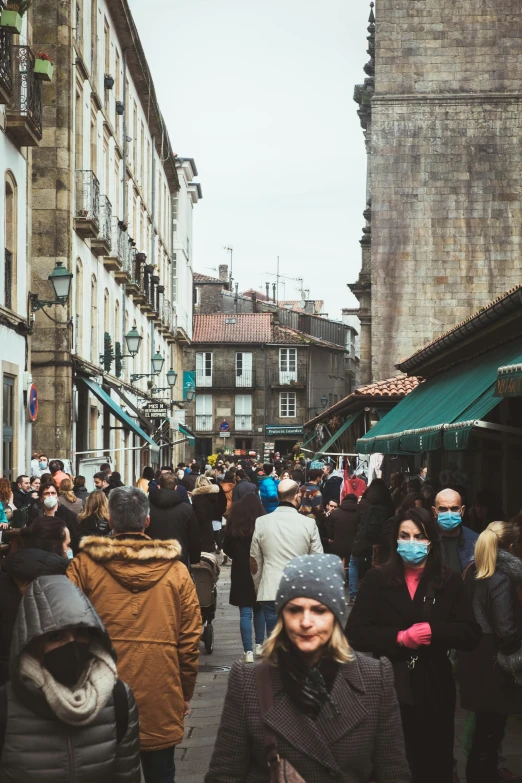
column 203, row 423
column 24, row 115
column 119, row 257
column 135, row 278
column 243, row 423
column 87, row 213
column 288, row 379
column 102, row 245
column 6, row 66
column 153, row 304
column 226, row 380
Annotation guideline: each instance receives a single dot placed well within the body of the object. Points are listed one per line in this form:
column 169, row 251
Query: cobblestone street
column 193, row 755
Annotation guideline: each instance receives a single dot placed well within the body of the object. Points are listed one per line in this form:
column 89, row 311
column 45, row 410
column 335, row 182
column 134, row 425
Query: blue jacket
column 268, row 493
column 466, row 550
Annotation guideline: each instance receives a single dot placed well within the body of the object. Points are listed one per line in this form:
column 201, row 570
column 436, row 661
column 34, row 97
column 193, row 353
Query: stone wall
column 445, row 168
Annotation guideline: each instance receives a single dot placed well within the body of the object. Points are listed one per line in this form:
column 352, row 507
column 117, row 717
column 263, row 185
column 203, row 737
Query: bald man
column 458, row 541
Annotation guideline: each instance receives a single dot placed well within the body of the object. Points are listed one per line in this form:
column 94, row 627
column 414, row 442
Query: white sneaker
column 259, row 650
column 248, row 657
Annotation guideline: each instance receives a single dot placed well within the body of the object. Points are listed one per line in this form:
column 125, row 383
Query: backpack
column 121, row 712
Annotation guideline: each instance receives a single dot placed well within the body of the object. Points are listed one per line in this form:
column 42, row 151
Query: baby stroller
column 206, row 574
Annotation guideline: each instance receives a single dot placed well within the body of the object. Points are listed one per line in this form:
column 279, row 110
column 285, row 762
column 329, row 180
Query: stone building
column 258, row 379
column 441, row 109
column 113, row 203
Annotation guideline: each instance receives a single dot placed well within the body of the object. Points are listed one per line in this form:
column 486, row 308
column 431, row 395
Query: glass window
column 8, row 428
column 288, row 359
column 287, row 404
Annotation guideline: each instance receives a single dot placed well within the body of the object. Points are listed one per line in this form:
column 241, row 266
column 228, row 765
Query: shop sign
column 156, row 410
column 223, row 434
column 509, row 386
column 32, row 403
column 283, row 429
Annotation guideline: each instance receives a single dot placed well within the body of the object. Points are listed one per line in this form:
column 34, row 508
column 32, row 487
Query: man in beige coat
column 147, row 601
column 278, row 537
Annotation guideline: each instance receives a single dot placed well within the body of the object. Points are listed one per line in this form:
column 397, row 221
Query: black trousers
column 428, row 736
column 483, row 758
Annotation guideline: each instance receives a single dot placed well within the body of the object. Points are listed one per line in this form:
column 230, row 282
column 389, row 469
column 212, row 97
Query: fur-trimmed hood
column 137, row 563
column 206, row 490
column 510, row 565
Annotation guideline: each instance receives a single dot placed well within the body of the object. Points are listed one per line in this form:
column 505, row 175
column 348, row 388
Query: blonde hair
column 66, row 489
column 202, row 481
column 497, row 534
column 338, row 647
column 97, row 505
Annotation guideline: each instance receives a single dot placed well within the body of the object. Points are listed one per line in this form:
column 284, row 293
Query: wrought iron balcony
column 288, row 379
column 203, row 423
column 121, row 252
column 137, row 280
column 6, row 66
column 102, row 244
column 243, row 423
column 87, row 213
column 24, row 115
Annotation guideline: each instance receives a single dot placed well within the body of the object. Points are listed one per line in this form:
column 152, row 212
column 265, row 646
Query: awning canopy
column 509, row 381
column 187, row 433
column 441, row 412
column 116, row 411
column 349, row 421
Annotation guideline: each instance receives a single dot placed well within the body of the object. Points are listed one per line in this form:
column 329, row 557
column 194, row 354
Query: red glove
column 416, row 636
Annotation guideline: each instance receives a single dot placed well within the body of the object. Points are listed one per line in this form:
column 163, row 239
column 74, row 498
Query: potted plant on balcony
column 11, row 18
column 108, row 81
column 120, row 108
column 43, row 67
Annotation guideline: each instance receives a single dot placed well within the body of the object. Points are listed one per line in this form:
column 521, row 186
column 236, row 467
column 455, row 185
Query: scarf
column 80, row 705
column 309, row 689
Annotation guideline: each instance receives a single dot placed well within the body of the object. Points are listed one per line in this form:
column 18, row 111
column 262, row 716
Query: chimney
column 267, row 291
column 273, row 291
column 254, row 302
column 223, row 273
column 236, row 297
column 309, row 306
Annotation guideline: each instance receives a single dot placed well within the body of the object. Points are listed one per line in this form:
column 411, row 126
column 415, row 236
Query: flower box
column 11, row 21
column 43, row 69
column 120, row 108
column 108, row 81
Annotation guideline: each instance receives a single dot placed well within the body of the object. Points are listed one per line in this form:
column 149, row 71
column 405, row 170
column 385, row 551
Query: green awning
column 187, row 433
column 349, row 421
column 116, row 411
column 509, row 381
column 309, row 440
column 440, row 412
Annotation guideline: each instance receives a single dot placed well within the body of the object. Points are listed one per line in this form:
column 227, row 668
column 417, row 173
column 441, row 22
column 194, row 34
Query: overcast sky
column 260, row 95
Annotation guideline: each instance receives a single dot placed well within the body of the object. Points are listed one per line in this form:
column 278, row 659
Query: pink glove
column 416, row 636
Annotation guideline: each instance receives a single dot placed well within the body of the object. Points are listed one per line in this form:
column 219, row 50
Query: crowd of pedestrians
column 365, row 613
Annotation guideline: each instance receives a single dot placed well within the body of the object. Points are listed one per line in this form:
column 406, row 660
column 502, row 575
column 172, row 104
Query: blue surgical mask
column 449, row 520
column 413, row 552
column 70, row 554
column 42, row 465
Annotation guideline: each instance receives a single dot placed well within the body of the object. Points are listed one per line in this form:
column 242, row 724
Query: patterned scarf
column 309, row 689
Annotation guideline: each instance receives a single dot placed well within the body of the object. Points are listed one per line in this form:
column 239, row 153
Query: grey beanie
column 320, row 577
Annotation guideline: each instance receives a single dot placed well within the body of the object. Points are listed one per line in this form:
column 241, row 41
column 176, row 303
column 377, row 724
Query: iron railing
column 244, row 422
column 8, row 279
column 226, row 379
column 288, row 378
column 87, row 196
column 27, row 91
column 314, row 325
column 166, row 313
column 204, row 423
column 120, row 246
column 6, row 59
column 105, row 232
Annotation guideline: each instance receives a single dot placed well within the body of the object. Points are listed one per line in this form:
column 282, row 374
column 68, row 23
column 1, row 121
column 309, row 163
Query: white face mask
column 51, row 501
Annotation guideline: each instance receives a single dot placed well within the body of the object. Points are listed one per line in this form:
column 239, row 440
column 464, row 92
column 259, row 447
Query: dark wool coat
column 209, row 504
column 94, row 526
column 365, row 735
column 242, row 592
column 484, row 685
column 343, row 526
column 170, row 518
column 331, row 489
column 242, row 488
column 18, row 570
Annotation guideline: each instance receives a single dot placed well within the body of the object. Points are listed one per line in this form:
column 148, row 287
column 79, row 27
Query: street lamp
column 190, row 394
column 60, row 279
column 133, row 340
column 157, row 365
column 324, row 400
column 172, row 377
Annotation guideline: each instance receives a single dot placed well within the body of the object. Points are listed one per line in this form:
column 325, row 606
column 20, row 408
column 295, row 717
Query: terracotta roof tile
column 232, row 328
column 199, row 278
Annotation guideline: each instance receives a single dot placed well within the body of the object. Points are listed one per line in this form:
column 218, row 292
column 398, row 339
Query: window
column 79, row 307
column 197, row 296
column 243, row 369
column 94, row 39
column 134, row 137
column 287, row 365
column 287, row 405
column 243, row 412
column 204, row 369
column 204, row 412
column 106, row 312
column 95, row 353
column 10, row 232
column 107, row 46
column 78, row 130
column 94, row 142
column 117, row 75
column 8, row 428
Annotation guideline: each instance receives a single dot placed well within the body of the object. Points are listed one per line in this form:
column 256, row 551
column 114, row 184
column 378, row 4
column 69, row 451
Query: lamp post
column 172, row 377
column 157, row 365
column 324, row 400
column 60, row 279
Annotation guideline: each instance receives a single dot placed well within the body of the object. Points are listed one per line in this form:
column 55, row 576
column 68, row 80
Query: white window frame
column 244, row 362
column 287, row 403
column 204, row 412
column 204, row 368
column 243, row 412
column 287, row 365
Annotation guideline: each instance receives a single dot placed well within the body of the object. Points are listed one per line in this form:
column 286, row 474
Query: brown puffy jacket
column 147, row 600
column 228, row 487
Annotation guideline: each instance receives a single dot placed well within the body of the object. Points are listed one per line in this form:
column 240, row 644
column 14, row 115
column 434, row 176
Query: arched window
column 106, row 312
column 95, row 348
column 10, row 233
column 79, row 307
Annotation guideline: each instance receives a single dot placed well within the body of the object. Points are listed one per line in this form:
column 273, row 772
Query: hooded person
column 171, row 517
column 64, row 715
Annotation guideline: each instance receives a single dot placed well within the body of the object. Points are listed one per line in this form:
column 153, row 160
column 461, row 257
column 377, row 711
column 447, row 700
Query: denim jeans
column 245, row 626
column 270, row 615
column 158, row 765
column 356, row 563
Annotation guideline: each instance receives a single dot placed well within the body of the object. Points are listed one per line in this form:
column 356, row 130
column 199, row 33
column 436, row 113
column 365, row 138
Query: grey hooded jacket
column 39, row 748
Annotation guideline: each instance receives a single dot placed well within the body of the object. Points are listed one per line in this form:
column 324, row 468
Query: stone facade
column 443, row 125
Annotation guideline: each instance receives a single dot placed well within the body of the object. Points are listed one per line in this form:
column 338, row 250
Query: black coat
column 209, row 504
column 242, row 488
column 22, row 566
column 22, row 499
column 171, row 518
column 331, row 489
column 343, row 527
column 242, row 592
column 189, row 481
column 484, row 685
column 94, row 526
column 82, row 493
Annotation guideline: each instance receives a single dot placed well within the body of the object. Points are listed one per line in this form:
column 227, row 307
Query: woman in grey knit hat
column 313, row 710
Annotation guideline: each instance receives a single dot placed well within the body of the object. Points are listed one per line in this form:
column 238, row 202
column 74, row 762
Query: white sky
column 260, row 95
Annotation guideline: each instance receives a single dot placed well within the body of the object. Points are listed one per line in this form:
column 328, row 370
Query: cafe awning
column 116, row 411
column 329, row 443
column 442, row 411
column 187, row 433
column 509, row 381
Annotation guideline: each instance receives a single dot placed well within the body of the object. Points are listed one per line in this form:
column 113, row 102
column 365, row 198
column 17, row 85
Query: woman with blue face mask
column 413, row 610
